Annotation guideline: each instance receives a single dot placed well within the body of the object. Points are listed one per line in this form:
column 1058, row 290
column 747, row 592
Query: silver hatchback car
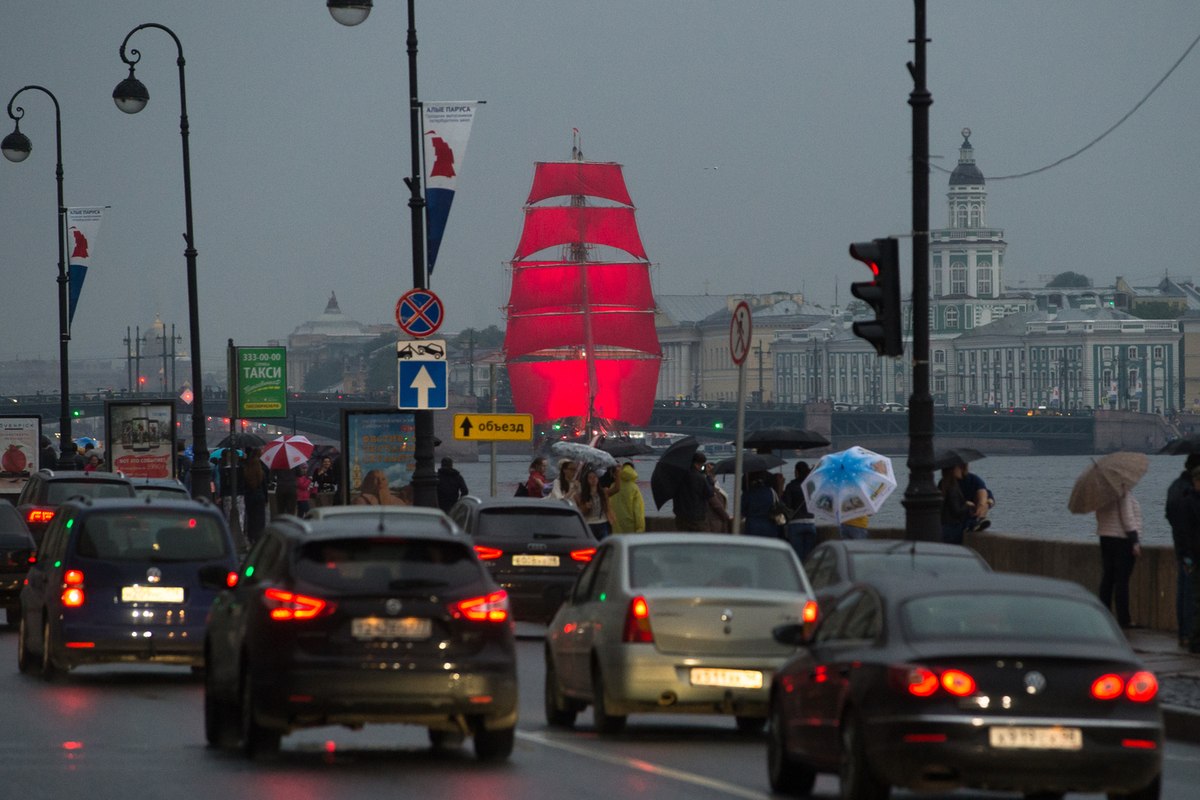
column 675, row 623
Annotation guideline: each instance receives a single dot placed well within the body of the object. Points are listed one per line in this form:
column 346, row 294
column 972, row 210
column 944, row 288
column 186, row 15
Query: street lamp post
column 353, row 12
column 131, row 97
column 17, row 147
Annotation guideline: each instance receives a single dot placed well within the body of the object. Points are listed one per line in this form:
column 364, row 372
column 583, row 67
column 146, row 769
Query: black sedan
column 534, row 548
column 833, row 567
column 16, row 554
column 996, row 682
column 349, row 621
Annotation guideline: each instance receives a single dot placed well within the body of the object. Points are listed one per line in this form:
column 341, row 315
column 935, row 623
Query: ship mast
column 578, row 254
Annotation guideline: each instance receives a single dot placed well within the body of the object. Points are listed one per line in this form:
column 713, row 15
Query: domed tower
column 967, row 257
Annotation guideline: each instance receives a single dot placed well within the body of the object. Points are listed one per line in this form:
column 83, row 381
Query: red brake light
column 38, row 515
column 231, row 579
column 73, row 577
column 810, row 611
column 489, row 608
column 1141, row 687
column 583, row 555
column 916, row 680
column 486, row 553
column 286, row 605
column 958, row 683
column 1107, row 687
column 637, row 622
column 73, row 597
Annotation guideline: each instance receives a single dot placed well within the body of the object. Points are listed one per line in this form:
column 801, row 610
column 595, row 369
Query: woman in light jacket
column 629, row 509
column 1118, row 525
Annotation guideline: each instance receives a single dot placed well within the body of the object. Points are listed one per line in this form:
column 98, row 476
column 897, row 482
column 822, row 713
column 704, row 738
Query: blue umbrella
column 188, row 453
column 84, row 441
column 849, row 484
column 220, row 451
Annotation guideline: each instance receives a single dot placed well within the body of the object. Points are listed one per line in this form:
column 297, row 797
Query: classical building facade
column 332, row 336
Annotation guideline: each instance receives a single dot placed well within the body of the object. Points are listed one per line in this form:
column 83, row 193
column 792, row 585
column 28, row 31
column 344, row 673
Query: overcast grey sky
column 299, row 137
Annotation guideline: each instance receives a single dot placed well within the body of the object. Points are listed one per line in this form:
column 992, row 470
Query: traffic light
column 718, row 425
column 77, row 413
column 881, row 294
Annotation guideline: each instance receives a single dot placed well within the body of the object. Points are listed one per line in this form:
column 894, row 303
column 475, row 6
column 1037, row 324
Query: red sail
column 554, row 389
column 539, row 284
column 594, row 179
column 632, row 328
column 557, row 225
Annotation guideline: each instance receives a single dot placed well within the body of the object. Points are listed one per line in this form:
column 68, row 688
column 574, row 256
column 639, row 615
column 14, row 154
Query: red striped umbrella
column 287, row 452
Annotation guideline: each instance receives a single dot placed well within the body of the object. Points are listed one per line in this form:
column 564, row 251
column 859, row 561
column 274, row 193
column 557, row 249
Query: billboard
column 383, row 439
column 260, row 376
column 140, row 438
column 20, row 440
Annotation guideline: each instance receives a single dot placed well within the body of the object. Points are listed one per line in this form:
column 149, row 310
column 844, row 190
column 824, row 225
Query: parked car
column 533, row 547
column 894, row 408
column 123, row 580
column 16, row 554
column 366, row 515
column 47, row 489
column 997, row 681
column 671, row 623
column 834, row 566
column 160, row 488
column 336, row 623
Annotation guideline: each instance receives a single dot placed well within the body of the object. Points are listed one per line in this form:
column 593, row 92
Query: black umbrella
column 1183, row 446
column 244, row 441
column 751, row 462
column 952, row 457
column 769, row 439
column 621, row 448
column 672, row 469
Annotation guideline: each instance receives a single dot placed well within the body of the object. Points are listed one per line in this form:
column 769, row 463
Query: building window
column 939, row 383
column 972, row 360
column 937, row 281
column 1158, row 352
column 1133, row 352
column 983, row 281
column 1106, row 353
column 975, row 223
column 962, row 217
column 951, row 317
column 939, row 356
column 958, row 278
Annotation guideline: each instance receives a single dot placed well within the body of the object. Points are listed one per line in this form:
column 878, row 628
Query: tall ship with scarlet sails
column 581, row 347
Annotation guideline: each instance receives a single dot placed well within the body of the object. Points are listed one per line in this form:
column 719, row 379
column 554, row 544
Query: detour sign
column 493, row 427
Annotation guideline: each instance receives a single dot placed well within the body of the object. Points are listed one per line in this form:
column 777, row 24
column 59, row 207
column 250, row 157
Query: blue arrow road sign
column 422, row 385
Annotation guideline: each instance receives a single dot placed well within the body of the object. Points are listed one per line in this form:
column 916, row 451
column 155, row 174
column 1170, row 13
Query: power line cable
column 1101, row 136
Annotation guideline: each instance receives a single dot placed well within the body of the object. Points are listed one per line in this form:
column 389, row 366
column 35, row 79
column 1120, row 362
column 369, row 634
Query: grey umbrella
column 751, row 462
column 952, row 457
column 782, row 438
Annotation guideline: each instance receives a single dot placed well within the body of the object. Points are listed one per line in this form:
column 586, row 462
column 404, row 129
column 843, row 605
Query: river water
column 1031, row 492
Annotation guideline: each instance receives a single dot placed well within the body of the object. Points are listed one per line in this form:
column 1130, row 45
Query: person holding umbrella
column 565, row 485
column 757, row 505
column 801, row 529
column 692, row 497
column 254, row 488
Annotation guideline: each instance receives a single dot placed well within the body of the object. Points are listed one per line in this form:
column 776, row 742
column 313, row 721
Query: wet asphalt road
column 109, row 733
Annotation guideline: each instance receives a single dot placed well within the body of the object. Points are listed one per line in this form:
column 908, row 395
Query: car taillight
column 286, row 605
column 72, row 597
column 73, row 577
column 40, row 515
column 231, row 579
column 637, row 622
column 958, row 683
column 1107, row 687
column 487, row 552
column 914, row 679
column 583, row 555
column 1141, row 687
column 809, row 614
column 489, row 608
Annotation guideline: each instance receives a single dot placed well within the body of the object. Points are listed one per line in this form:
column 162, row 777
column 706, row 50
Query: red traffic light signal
column 881, row 294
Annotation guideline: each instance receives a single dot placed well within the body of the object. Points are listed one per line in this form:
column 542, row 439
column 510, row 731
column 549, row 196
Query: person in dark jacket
column 957, row 511
column 183, row 465
column 254, row 486
column 1183, row 512
column 286, row 494
column 801, row 527
column 691, row 499
column 757, row 503
column 450, row 485
column 47, row 456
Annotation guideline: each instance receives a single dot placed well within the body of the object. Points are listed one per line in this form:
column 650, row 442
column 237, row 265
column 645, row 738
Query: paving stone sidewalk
column 1178, row 673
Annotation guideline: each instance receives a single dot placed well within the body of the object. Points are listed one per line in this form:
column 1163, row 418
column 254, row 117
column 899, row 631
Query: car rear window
column 868, row 566
column 151, row 535
column 61, row 491
column 688, row 566
column 387, row 565
column 1009, row 616
column 161, row 493
column 523, row 523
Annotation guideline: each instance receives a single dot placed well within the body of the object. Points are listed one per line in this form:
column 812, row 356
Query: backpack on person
column 522, row 490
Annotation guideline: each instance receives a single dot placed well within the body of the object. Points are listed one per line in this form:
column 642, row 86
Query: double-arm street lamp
column 353, row 12
column 131, row 97
column 17, row 147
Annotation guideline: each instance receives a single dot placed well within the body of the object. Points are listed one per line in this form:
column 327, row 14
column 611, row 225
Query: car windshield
column 387, row 565
column 688, row 566
column 531, row 523
column 61, row 491
column 161, row 492
column 868, row 566
column 151, row 534
column 1009, row 616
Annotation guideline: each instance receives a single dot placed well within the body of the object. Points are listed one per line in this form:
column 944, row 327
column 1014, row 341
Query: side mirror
column 793, row 634
column 214, row 576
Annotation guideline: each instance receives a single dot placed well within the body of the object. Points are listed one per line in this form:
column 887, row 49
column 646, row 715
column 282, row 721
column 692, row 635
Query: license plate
column 1054, row 738
column 403, row 628
column 736, row 678
column 534, row 561
column 152, row 594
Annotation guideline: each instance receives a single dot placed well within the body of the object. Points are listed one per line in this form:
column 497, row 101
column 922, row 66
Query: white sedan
column 675, row 623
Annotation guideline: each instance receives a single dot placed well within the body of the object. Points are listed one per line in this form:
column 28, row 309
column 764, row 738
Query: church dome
column 966, row 173
column 332, row 323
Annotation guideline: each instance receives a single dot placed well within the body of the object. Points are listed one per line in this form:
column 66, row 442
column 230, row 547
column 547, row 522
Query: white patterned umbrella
column 578, row 451
column 287, row 452
column 850, row 484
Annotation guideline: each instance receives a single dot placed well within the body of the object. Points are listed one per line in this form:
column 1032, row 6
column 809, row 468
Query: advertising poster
column 261, row 382
column 383, row 439
column 83, row 234
column 447, row 127
column 140, row 438
column 19, row 440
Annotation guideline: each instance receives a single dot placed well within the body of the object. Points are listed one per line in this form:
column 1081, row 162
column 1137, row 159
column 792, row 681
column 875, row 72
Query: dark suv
column 48, row 489
column 353, row 620
column 16, row 554
column 124, row 580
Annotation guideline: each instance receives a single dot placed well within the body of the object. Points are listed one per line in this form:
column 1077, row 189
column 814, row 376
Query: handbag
column 779, row 512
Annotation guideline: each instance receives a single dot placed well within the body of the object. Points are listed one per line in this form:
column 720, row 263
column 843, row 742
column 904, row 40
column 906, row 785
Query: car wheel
column 256, row 739
column 220, row 729
column 26, row 659
column 445, row 740
column 751, row 725
column 1150, row 791
column 493, row 745
column 857, row 779
column 786, row 775
column 50, row 669
column 606, row 724
column 558, row 713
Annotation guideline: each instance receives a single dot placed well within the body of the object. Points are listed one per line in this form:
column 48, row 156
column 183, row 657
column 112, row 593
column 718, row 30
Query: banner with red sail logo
column 447, row 126
column 83, row 234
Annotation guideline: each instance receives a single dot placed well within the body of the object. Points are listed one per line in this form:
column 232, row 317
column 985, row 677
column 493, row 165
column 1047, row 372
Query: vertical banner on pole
column 446, row 126
column 83, row 234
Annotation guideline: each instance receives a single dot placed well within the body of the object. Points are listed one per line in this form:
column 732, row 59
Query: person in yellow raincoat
column 629, row 510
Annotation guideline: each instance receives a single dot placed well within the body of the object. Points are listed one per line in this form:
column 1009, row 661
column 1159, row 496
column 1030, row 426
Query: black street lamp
column 17, row 147
column 352, row 12
column 131, row 97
